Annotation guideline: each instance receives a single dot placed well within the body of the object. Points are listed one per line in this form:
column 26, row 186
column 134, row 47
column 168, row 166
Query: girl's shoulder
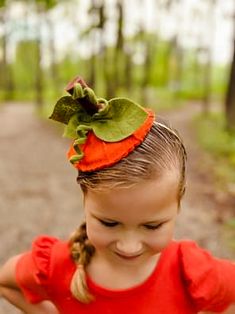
column 197, row 263
column 47, row 262
column 49, row 247
column 208, row 279
column 51, row 254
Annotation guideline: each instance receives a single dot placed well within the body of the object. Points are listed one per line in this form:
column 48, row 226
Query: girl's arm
column 11, row 292
column 16, row 298
column 230, row 310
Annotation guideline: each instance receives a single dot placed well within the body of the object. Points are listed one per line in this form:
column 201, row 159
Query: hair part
column 161, row 151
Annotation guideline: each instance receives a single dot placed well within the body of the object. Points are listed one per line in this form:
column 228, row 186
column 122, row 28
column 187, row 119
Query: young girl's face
column 131, row 225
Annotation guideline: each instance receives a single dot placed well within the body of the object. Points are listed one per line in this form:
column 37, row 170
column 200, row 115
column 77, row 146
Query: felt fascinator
column 103, row 132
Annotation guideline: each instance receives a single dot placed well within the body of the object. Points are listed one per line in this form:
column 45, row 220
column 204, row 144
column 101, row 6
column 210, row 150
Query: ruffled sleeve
column 209, row 281
column 33, row 269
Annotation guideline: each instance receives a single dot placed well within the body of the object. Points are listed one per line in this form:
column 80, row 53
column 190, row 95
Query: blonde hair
column 161, row 150
column 81, row 252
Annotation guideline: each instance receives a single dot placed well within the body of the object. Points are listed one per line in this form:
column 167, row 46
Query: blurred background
column 176, row 56
column 162, row 52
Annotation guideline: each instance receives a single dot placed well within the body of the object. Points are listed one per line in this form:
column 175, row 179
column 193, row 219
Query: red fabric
column 186, row 280
column 99, row 154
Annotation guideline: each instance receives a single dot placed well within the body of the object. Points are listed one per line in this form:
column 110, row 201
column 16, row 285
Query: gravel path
column 39, row 194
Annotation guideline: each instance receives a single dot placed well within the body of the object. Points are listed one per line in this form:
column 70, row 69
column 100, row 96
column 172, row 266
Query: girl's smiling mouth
column 128, row 257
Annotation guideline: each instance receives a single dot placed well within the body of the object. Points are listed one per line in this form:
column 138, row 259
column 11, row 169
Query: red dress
column 186, row 280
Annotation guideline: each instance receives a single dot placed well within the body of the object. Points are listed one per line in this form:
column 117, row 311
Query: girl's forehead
column 144, row 199
column 165, row 183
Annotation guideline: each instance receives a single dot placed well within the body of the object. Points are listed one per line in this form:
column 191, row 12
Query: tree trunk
column 147, row 66
column 207, row 82
column 179, row 69
column 38, row 57
column 208, row 51
column 91, row 69
column 3, row 64
column 167, row 76
column 38, row 76
column 230, row 97
column 53, row 66
column 6, row 78
column 128, row 78
column 3, row 60
column 119, row 51
column 174, row 67
column 196, row 67
column 109, row 82
column 96, row 12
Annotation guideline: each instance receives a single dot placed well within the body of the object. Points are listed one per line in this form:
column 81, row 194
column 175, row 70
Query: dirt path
column 204, row 207
column 39, row 192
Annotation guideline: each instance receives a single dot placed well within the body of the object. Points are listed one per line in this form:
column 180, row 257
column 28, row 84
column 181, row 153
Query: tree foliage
column 144, row 64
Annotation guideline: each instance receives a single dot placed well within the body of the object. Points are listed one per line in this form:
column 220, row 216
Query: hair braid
column 81, row 251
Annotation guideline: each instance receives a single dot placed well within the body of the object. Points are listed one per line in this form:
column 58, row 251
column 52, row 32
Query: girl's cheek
column 98, row 236
column 161, row 238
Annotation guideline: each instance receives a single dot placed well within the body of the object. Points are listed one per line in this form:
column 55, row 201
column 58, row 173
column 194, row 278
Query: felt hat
column 103, row 132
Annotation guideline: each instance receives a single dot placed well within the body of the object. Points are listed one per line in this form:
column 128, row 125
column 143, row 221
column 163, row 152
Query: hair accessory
column 103, row 131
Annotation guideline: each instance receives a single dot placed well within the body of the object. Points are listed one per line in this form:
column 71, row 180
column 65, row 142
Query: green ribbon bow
column 111, row 121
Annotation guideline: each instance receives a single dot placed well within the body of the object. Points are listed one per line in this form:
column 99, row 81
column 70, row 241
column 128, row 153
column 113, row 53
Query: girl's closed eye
column 154, row 227
column 109, row 224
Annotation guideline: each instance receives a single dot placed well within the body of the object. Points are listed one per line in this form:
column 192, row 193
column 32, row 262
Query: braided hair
column 81, row 253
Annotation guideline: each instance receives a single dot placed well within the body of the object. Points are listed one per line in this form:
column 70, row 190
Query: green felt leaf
column 64, row 109
column 70, row 129
column 104, row 113
column 75, row 158
column 89, row 93
column 78, row 91
column 78, row 156
column 82, row 131
column 78, row 126
column 120, row 121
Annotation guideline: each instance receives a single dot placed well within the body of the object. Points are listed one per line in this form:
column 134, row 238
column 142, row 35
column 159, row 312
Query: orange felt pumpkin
column 99, row 154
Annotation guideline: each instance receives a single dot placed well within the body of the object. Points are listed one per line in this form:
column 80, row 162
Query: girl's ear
column 182, row 192
column 84, row 192
column 83, row 198
column 180, row 196
column 83, row 188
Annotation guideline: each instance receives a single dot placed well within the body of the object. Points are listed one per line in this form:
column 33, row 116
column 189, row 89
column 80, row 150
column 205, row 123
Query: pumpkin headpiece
column 103, row 131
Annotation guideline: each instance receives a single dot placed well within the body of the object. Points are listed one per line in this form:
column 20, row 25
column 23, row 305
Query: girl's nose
column 129, row 246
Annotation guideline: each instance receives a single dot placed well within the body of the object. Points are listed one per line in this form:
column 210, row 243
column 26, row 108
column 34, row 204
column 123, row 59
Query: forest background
column 176, row 56
column 165, row 54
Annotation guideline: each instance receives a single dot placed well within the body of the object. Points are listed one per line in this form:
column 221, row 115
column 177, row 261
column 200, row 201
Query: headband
column 103, row 132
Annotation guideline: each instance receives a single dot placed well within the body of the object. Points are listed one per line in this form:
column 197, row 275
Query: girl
column 131, row 169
